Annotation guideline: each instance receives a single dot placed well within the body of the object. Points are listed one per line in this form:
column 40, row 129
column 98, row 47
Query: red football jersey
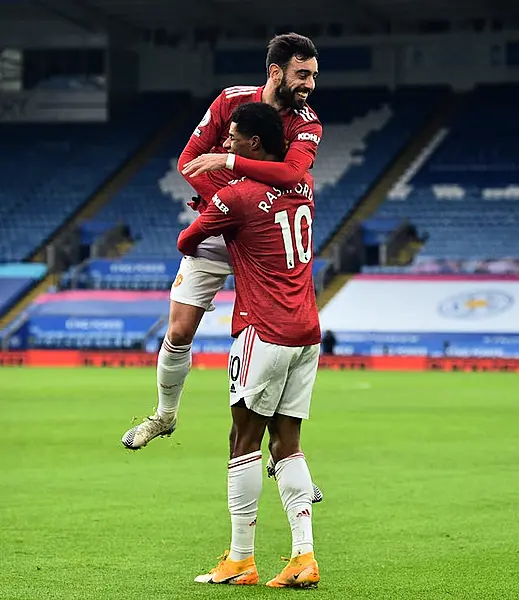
column 268, row 232
column 303, row 132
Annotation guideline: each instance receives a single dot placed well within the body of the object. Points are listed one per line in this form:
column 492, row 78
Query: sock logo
column 253, row 523
column 304, row 513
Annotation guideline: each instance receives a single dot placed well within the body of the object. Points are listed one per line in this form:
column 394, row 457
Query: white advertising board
column 379, row 304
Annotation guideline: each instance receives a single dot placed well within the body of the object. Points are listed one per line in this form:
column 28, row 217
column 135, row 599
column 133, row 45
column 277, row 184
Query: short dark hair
column 283, row 47
column 263, row 120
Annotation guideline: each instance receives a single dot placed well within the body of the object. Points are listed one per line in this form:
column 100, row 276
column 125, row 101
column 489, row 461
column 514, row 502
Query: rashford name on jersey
column 302, row 189
column 272, row 194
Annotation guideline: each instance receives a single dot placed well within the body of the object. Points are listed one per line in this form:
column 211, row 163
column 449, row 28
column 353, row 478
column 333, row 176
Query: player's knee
column 281, row 449
column 242, row 447
column 275, row 447
column 244, row 444
column 179, row 334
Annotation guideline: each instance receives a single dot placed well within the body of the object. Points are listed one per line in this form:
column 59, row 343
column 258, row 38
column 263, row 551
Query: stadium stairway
column 40, row 288
column 119, row 178
column 407, row 254
column 378, row 192
column 119, row 249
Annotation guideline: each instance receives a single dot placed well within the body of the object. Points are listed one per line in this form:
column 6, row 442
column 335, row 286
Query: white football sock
column 296, row 490
column 173, row 366
column 244, row 482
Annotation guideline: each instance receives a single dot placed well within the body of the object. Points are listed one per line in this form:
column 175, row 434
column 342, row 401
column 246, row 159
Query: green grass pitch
column 419, row 471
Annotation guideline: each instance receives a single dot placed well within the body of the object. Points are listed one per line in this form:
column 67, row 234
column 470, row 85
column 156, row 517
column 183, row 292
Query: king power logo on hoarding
column 476, row 305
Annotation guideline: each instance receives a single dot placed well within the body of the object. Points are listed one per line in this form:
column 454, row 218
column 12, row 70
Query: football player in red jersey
column 292, row 70
column 274, row 357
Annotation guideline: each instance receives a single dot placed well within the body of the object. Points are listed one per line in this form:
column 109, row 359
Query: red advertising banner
column 79, row 358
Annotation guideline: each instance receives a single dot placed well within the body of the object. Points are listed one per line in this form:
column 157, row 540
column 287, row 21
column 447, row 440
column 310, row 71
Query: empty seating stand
column 466, row 196
column 50, row 170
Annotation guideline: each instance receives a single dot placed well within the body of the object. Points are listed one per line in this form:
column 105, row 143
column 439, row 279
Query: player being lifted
column 292, row 70
column 273, row 360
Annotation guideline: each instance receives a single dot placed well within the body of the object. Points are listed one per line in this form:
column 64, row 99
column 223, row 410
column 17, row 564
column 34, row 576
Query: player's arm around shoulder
column 303, row 137
column 210, row 131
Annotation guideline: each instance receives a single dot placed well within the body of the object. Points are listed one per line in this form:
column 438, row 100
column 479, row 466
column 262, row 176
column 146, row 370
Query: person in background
column 328, row 343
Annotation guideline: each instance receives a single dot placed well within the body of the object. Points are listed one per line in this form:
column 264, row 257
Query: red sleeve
column 299, row 158
column 205, row 186
column 189, row 238
column 206, row 135
column 223, row 215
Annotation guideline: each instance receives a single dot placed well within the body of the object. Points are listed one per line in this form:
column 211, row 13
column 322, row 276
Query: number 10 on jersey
column 282, row 219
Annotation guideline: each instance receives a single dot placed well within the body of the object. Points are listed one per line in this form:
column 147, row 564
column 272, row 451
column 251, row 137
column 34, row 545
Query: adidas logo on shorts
column 233, row 389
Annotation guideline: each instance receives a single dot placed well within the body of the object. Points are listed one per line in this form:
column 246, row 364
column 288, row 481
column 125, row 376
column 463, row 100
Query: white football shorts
column 198, row 280
column 271, row 378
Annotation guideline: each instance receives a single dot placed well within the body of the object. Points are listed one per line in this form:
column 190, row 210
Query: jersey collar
column 259, row 94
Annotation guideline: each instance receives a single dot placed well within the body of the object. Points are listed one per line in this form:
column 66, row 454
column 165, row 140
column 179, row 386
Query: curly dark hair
column 263, row 120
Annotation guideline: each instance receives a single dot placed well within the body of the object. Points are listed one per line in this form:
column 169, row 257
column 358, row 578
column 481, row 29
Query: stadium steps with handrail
column 376, row 195
column 407, row 254
column 120, row 249
column 335, row 284
column 119, row 178
column 41, row 287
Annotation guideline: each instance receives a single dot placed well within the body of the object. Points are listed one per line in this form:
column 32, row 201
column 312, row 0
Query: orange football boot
column 302, row 571
column 235, row 572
